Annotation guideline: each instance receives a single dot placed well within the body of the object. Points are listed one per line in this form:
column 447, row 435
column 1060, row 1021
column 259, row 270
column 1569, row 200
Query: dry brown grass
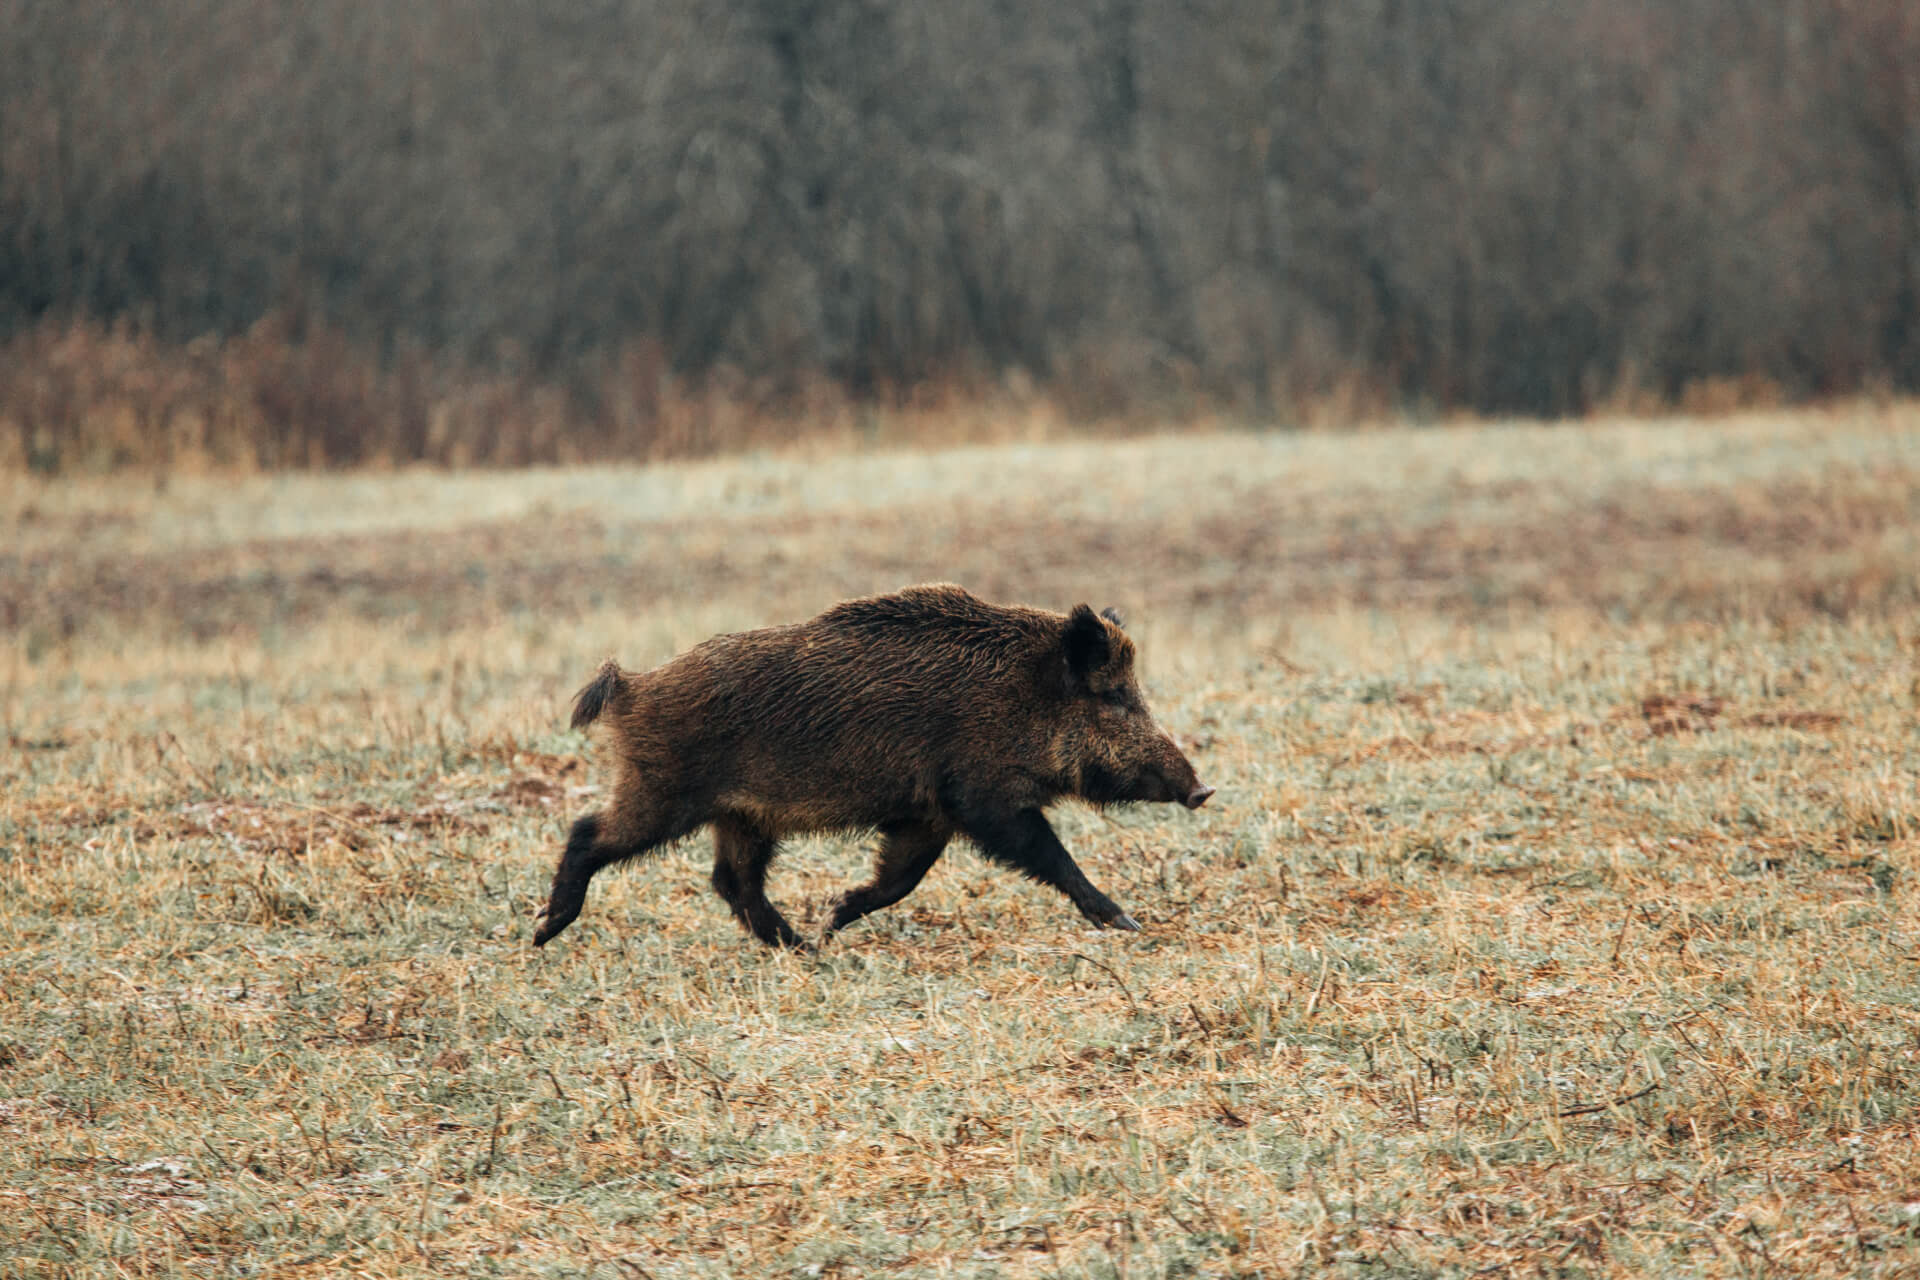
column 1556, row 914
column 84, row 398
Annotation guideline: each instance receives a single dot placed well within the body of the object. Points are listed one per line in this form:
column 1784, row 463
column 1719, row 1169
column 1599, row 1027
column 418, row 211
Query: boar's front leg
column 908, row 852
column 741, row 853
column 1025, row 840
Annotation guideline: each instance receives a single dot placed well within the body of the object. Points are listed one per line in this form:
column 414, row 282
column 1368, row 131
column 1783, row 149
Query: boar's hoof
column 1198, row 796
column 551, row 923
column 1109, row 917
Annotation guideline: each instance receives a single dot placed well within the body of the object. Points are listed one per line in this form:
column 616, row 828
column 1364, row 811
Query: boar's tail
column 593, row 696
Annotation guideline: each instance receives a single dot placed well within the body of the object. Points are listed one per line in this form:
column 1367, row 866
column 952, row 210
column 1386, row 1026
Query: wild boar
column 922, row 715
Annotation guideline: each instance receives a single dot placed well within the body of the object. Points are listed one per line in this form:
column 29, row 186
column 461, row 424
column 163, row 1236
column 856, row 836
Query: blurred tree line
column 1498, row 205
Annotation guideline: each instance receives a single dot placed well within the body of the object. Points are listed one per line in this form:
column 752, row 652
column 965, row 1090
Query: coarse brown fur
column 922, row 715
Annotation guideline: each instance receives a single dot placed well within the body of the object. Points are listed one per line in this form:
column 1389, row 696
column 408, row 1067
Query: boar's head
column 1106, row 742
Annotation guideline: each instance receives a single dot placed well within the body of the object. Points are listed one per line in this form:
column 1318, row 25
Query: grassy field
column 1559, row 911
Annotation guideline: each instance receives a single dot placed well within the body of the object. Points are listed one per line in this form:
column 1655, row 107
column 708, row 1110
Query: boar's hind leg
column 1026, row 841
column 741, row 853
column 907, row 852
column 598, row 841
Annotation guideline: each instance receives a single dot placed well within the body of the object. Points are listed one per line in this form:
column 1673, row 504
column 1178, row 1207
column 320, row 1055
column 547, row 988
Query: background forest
column 507, row 231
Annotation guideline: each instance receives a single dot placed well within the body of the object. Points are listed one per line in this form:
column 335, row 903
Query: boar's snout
column 1176, row 778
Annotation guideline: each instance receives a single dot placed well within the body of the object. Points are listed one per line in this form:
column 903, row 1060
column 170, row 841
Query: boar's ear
column 1086, row 641
column 1114, row 616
